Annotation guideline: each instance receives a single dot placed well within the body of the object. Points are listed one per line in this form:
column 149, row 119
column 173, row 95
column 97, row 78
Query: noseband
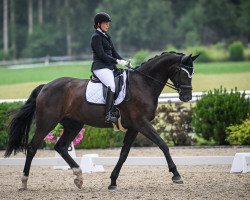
column 178, row 86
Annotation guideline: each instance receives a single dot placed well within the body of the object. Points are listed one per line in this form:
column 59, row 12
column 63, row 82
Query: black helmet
column 102, row 17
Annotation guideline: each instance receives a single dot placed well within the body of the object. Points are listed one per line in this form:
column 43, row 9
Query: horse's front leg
column 127, row 143
column 148, row 130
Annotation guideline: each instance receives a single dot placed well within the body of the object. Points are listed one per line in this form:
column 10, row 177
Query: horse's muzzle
column 185, row 97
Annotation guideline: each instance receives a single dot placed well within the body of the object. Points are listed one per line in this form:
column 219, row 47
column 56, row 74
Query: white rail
column 187, row 160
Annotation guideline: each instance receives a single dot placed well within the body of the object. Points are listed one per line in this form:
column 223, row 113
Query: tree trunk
column 69, row 51
column 58, row 16
column 13, row 28
column 40, row 11
column 68, row 31
column 30, row 16
column 5, row 26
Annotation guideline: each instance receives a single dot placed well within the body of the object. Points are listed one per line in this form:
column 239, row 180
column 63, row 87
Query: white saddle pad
column 94, row 92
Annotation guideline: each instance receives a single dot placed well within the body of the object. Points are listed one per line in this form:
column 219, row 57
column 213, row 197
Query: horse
column 64, row 101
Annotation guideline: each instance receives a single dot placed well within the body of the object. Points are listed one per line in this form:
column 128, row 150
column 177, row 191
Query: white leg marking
column 24, row 180
column 78, row 180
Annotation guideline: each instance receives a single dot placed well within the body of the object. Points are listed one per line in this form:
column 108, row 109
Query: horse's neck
column 160, row 70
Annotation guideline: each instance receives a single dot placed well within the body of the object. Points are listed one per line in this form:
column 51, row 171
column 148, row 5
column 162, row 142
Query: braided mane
column 157, row 56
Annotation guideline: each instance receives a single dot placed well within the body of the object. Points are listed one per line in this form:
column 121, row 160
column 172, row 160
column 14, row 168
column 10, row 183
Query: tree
column 12, row 27
column 30, row 11
column 5, row 26
column 147, row 27
column 243, row 21
column 40, row 11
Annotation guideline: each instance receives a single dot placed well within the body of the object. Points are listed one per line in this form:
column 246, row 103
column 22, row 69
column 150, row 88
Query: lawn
column 18, row 83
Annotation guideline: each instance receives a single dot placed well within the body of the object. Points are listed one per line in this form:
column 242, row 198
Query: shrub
column 217, row 110
column 204, row 54
column 100, row 138
column 6, row 110
column 140, row 57
column 173, row 122
column 239, row 134
column 170, row 48
column 236, row 51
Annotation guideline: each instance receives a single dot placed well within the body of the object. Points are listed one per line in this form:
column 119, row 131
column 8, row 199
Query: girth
column 119, row 81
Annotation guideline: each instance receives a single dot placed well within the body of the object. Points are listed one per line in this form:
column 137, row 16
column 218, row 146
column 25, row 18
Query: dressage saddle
column 119, row 81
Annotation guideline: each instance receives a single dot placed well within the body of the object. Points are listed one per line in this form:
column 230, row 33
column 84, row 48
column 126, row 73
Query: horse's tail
column 19, row 125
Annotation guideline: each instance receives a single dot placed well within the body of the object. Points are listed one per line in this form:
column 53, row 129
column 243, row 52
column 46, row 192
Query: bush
column 173, row 123
column 204, row 54
column 217, row 110
column 6, row 110
column 100, row 138
column 239, row 134
column 171, row 48
column 140, row 57
column 236, row 51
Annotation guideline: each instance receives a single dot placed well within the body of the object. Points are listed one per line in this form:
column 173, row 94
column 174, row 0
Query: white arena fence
column 93, row 163
column 164, row 98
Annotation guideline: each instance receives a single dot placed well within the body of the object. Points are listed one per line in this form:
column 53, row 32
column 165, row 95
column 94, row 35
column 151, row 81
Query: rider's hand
column 122, row 62
column 130, row 65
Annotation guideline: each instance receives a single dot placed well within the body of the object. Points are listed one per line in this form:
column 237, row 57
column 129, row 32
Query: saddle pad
column 94, row 92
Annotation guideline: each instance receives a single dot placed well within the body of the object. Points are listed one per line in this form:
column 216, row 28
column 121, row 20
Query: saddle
column 119, row 81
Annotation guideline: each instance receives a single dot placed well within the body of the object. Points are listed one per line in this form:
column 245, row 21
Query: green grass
column 18, row 83
column 222, row 68
column 14, row 76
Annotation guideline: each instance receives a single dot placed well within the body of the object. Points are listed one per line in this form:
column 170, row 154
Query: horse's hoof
column 78, row 183
column 177, row 180
column 112, row 187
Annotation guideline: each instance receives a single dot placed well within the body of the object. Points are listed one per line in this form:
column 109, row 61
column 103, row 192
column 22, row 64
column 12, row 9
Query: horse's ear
column 194, row 57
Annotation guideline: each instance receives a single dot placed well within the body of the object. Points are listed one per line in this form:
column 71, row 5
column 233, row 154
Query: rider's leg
column 107, row 78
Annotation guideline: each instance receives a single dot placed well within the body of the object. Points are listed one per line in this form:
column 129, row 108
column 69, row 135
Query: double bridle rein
column 178, row 86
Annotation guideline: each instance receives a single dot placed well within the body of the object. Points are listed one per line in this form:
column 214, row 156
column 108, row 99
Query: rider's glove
column 122, row 62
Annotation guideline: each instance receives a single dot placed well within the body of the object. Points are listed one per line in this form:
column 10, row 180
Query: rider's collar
column 100, row 30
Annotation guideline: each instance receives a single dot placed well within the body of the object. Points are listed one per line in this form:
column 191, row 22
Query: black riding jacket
column 104, row 53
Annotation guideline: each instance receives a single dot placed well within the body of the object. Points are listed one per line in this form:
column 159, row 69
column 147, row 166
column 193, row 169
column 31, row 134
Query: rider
column 105, row 59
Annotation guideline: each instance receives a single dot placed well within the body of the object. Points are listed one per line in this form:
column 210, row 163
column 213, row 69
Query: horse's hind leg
column 71, row 129
column 43, row 128
column 148, row 130
column 127, row 143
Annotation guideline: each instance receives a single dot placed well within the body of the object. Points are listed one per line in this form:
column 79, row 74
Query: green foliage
column 140, row 57
column 100, row 138
column 152, row 24
column 239, row 134
column 45, row 40
column 236, row 51
column 204, row 54
column 173, row 123
column 6, row 110
column 4, row 56
column 217, row 110
column 170, row 48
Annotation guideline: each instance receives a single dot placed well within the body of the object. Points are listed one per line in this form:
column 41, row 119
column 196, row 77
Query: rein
column 170, row 85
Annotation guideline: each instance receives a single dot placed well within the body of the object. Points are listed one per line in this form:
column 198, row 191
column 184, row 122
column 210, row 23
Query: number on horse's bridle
column 178, row 86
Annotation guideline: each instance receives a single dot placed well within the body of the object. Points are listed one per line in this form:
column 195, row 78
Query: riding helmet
column 102, row 17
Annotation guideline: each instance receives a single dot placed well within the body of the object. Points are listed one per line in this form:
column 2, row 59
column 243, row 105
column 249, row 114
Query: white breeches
column 106, row 76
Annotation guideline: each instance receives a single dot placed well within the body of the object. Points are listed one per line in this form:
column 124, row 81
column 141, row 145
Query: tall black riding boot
column 111, row 115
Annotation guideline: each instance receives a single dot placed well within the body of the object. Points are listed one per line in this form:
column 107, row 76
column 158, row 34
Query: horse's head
column 183, row 76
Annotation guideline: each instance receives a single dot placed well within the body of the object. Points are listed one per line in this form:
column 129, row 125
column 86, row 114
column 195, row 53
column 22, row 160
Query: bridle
column 178, row 86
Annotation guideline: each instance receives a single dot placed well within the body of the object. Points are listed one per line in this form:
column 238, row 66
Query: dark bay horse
column 63, row 101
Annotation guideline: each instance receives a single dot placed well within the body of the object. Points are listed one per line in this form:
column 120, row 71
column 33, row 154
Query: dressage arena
column 134, row 182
